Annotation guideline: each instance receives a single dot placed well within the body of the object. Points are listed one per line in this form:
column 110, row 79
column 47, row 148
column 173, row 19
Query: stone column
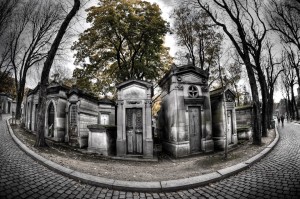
column 121, row 140
column 148, row 140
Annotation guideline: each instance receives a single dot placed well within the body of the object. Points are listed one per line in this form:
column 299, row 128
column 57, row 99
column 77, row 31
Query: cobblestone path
column 275, row 176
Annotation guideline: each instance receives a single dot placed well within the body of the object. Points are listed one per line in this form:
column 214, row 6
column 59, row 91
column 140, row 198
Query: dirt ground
column 166, row 168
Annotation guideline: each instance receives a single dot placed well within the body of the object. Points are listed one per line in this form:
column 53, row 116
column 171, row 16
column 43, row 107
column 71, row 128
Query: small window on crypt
column 104, row 119
column 193, row 91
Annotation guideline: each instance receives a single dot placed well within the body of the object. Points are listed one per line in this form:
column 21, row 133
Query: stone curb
column 158, row 186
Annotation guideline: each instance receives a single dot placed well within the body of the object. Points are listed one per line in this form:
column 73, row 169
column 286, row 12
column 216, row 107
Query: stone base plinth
column 102, row 140
column 177, row 149
column 207, row 145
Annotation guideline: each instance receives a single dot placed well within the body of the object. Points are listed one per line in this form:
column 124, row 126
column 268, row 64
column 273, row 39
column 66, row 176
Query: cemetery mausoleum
column 185, row 120
column 224, row 118
column 134, row 119
column 69, row 111
column 7, row 104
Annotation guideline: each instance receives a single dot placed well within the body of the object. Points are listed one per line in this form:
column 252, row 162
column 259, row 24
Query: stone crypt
column 224, row 118
column 134, row 130
column 185, row 120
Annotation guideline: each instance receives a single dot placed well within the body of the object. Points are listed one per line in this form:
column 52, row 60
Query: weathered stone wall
column 224, row 118
column 134, row 95
column 243, row 116
column 174, row 123
column 88, row 115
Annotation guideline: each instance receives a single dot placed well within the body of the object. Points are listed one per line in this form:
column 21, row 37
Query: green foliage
column 125, row 41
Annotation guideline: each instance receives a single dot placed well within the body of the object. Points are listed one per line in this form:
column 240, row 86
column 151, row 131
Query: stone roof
column 134, row 81
column 179, row 70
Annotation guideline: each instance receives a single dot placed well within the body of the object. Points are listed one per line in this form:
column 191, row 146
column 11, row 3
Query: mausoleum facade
column 185, row 120
column 224, row 118
column 134, row 119
column 68, row 113
column 7, row 104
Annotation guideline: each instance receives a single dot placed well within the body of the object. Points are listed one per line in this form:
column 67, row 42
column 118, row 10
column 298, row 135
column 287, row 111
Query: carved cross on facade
column 188, row 56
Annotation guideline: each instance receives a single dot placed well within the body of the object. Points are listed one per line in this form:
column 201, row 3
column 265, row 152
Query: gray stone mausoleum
column 185, row 120
column 134, row 130
column 69, row 111
column 224, row 118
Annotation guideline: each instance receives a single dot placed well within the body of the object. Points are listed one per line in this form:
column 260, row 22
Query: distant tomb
column 7, row 104
column 134, row 128
column 185, row 115
column 244, row 122
column 224, row 118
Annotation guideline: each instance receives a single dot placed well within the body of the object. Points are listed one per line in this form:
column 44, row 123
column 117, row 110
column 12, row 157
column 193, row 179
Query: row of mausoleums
column 7, row 105
column 191, row 120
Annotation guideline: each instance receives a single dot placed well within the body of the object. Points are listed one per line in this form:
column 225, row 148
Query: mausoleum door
column 9, row 105
column 73, row 124
column 229, row 127
column 134, row 130
column 51, row 120
column 195, row 129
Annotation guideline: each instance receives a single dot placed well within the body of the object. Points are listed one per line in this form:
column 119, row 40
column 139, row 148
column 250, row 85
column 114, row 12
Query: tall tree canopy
column 125, row 41
column 197, row 33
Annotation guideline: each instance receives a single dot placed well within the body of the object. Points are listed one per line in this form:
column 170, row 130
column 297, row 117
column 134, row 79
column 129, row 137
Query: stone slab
column 93, row 180
column 232, row 170
column 137, row 186
column 196, row 181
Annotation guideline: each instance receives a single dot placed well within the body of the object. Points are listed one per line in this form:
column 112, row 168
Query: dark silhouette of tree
column 40, row 138
column 288, row 78
column 273, row 70
column 197, row 33
column 284, row 19
column 245, row 28
column 30, row 33
column 7, row 8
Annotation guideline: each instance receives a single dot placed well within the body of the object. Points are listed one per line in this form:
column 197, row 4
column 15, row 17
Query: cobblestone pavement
column 275, row 176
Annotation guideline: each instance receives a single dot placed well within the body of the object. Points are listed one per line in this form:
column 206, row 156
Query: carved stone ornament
column 229, row 98
column 179, row 79
column 193, row 91
column 133, row 102
column 179, row 87
column 204, row 89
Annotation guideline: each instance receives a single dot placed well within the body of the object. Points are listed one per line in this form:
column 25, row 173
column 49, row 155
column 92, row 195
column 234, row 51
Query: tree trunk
column 256, row 106
column 270, row 106
column 264, row 110
column 40, row 138
column 294, row 105
column 20, row 95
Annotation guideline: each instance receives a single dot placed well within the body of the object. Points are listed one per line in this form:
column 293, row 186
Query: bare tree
column 247, row 36
column 284, row 19
column 40, row 139
column 293, row 62
column 30, row 34
column 273, row 71
column 7, row 8
column 197, row 33
column 288, row 78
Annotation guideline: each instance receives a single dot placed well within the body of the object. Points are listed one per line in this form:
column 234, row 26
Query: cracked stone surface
column 275, row 176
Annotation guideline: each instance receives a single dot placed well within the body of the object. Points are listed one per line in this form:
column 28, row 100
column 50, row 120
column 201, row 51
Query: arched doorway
column 51, row 120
